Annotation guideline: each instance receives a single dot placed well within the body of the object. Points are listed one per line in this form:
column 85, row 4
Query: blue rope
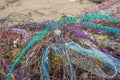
column 43, row 67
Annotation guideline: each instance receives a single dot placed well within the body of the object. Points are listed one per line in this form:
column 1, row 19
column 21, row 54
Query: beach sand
column 41, row 10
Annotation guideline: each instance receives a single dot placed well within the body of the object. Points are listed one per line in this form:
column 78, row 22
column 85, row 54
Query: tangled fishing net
column 82, row 48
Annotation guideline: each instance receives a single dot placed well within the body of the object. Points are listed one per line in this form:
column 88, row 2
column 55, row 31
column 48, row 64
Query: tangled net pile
column 83, row 48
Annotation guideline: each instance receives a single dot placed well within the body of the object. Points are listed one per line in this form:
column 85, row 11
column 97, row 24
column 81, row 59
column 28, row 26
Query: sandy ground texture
column 43, row 9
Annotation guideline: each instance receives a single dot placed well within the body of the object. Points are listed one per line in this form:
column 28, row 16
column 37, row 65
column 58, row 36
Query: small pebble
column 2, row 7
column 97, row 1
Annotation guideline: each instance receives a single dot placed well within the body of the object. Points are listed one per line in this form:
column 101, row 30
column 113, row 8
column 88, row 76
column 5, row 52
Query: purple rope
column 7, row 67
column 80, row 33
column 41, row 25
column 22, row 32
column 98, row 31
column 2, row 60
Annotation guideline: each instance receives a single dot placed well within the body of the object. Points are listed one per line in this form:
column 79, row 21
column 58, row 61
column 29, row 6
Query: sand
column 44, row 9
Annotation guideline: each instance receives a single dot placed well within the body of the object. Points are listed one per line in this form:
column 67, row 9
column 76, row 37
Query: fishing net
column 84, row 48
